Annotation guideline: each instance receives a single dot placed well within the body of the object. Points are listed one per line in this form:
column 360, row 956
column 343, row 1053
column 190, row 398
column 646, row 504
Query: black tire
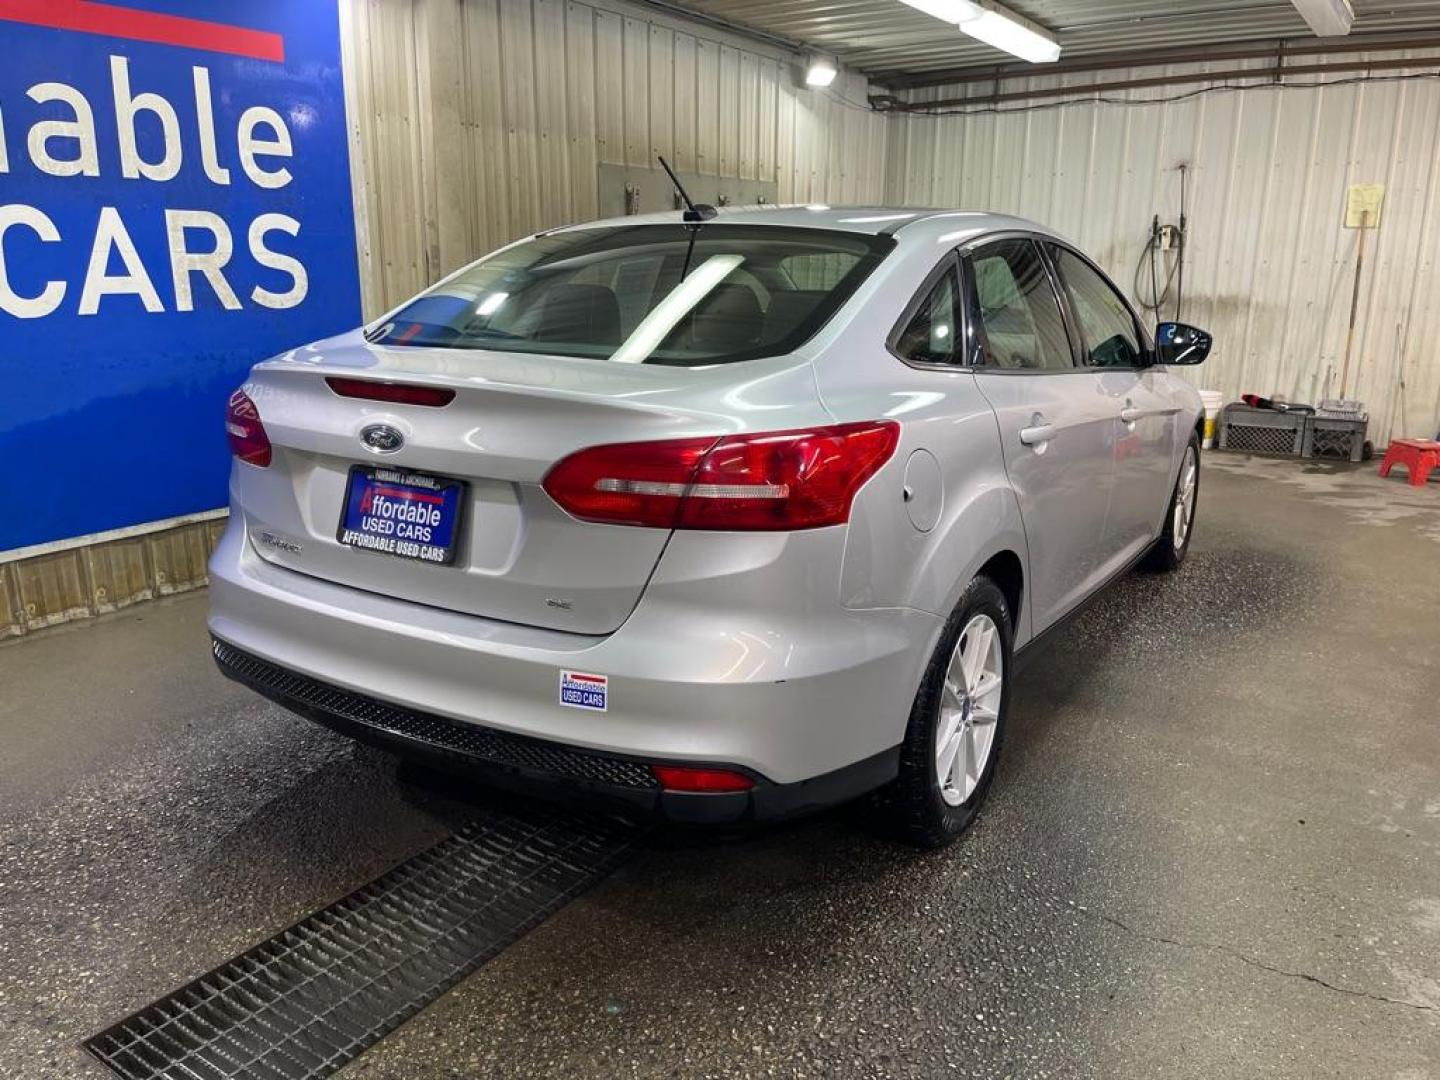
column 1167, row 555
column 914, row 800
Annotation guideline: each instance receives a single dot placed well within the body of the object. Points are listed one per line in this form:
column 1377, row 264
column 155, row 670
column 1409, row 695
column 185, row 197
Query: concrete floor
column 1213, row 849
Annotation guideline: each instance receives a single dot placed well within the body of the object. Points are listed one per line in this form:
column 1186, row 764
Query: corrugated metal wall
column 483, row 120
column 1270, row 266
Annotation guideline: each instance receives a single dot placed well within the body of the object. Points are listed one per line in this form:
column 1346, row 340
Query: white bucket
column 1213, row 401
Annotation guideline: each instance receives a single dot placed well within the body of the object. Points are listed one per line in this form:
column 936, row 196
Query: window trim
column 1067, row 309
column 965, row 253
column 1147, row 346
column 948, row 262
column 973, row 327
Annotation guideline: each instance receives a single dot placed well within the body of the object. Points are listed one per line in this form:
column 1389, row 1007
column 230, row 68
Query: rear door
column 1113, row 346
column 1057, row 424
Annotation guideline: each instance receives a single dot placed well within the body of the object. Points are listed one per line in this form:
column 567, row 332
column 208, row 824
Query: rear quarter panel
column 889, row 560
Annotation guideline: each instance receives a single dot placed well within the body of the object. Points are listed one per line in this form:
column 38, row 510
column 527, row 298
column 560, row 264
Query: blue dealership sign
column 174, row 206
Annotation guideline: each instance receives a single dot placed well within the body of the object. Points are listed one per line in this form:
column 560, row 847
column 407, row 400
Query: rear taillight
column 396, row 393
column 685, row 778
column 628, row 483
column 248, row 440
column 776, row 480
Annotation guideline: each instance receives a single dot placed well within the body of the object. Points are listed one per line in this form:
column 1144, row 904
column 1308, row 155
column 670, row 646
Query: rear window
column 646, row 294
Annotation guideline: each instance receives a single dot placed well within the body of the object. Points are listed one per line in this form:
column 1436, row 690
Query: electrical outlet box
column 638, row 190
column 1363, row 203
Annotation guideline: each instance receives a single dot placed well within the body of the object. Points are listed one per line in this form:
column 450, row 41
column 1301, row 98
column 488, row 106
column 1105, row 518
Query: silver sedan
column 721, row 518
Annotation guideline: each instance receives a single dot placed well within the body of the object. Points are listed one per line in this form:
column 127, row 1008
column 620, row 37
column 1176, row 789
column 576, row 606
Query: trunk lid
column 518, row 556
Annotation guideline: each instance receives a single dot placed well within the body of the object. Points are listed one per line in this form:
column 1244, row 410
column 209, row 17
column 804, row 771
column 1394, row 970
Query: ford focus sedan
column 718, row 520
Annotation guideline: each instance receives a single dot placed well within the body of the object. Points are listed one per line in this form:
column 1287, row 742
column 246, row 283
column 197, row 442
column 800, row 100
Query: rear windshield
column 646, row 294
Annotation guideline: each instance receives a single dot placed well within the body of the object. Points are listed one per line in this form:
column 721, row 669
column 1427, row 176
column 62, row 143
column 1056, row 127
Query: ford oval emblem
column 381, row 439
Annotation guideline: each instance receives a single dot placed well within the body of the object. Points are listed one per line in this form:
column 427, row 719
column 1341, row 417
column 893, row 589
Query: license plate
column 401, row 513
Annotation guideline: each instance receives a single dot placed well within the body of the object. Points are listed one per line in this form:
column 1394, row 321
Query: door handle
column 1037, row 435
column 1129, row 414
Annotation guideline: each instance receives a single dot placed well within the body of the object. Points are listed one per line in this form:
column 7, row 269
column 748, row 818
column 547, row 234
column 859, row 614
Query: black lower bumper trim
column 539, row 767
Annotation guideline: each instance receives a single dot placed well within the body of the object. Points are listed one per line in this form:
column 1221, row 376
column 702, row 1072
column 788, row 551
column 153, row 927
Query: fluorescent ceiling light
column 1011, row 34
column 1000, row 28
column 951, row 11
column 821, row 72
column 1326, row 18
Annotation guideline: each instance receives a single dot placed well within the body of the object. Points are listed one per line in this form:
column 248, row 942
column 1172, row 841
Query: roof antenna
column 693, row 212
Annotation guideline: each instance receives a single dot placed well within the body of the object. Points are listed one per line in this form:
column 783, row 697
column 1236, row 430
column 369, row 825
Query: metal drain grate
column 314, row 996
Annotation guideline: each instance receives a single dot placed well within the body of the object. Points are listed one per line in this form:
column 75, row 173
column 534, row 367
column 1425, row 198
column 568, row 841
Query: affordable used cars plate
column 401, row 513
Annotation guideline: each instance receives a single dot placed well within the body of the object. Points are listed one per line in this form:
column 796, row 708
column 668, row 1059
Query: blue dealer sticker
column 580, row 690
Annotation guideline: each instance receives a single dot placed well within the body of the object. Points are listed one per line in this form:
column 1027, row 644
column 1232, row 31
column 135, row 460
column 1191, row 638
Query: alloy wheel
column 969, row 709
column 1185, row 498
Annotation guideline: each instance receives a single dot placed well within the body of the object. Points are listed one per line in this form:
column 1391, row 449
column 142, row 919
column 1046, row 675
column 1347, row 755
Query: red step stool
column 1419, row 456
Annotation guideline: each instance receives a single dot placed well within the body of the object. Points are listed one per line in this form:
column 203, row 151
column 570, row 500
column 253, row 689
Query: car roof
column 927, row 225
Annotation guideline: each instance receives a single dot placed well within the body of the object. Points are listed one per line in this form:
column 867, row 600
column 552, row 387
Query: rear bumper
column 535, row 766
column 809, row 702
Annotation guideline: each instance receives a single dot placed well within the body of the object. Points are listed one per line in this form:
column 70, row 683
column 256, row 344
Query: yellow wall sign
column 1362, row 205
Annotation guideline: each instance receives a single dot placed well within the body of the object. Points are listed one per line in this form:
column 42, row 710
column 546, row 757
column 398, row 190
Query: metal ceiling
column 886, row 37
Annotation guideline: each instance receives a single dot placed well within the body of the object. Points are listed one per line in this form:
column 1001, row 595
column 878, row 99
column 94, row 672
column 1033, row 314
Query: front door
column 1057, row 425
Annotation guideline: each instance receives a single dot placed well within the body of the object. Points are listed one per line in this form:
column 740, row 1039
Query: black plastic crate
column 1262, row 431
column 1334, row 437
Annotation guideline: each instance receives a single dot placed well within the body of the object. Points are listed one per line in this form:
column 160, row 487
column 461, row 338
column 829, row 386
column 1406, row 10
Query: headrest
column 579, row 313
column 728, row 320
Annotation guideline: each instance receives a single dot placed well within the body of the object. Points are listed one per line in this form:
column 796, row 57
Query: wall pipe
column 1275, row 72
column 1273, row 49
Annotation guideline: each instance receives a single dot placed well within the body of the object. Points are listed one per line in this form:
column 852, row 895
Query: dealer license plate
column 401, row 513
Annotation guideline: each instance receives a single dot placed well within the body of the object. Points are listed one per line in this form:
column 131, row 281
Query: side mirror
column 1178, row 343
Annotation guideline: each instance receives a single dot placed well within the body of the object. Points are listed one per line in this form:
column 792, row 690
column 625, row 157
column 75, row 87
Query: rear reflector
column 246, row 433
column 778, row 480
column 396, row 393
column 681, row 778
